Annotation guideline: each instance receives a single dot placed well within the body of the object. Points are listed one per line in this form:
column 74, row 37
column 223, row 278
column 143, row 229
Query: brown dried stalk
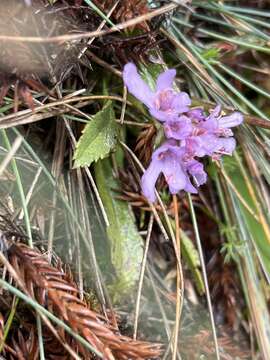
column 54, row 289
column 144, row 146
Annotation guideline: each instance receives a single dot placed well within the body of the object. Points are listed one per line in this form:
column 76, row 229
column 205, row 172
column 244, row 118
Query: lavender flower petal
column 201, row 146
column 166, row 159
column 149, row 180
column 226, row 146
column 165, row 80
column 174, row 174
column 235, row 119
column 136, row 86
column 196, row 114
column 213, row 135
column 181, row 102
column 178, row 128
column 190, row 188
column 195, row 168
column 164, row 103
column 161, row 115
column 168, row 105
column 215, row 113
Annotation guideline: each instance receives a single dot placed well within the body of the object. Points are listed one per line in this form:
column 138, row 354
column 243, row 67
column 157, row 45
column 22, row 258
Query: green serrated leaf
column 98, row 138
column 125, row 242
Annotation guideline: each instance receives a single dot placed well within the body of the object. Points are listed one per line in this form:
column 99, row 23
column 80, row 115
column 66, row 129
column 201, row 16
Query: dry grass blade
column 144, row 144
column 53, row 287
column 26, row 116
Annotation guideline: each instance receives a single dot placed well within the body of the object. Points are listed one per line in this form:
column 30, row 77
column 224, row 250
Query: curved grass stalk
column 243, row 10
column 261, row 217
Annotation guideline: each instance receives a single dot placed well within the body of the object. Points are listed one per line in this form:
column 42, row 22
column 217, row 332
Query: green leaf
column 125, row 242
column 98, row 138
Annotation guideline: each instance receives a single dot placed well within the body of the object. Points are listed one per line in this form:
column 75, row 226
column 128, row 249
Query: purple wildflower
column 190, row 133
column 212, row 136
column 169, row 159
column 164, row 103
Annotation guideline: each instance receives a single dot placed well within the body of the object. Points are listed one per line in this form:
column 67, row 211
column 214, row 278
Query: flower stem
column 179, row 279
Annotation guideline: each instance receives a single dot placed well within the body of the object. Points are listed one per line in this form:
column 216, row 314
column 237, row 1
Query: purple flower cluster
column 190, row 133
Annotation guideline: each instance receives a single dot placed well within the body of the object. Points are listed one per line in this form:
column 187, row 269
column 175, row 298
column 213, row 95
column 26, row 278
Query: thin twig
column 96, row 33
column 31, row 118
column 20, row 189
column 162, row 311
column 85, row 220
column 63, row 101
column 104, row 64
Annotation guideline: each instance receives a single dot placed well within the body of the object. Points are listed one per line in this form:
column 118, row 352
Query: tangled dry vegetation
column 59, row 62
column 27, row 69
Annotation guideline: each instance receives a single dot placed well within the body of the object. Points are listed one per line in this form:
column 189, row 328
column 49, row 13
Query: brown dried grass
column 53, row 287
